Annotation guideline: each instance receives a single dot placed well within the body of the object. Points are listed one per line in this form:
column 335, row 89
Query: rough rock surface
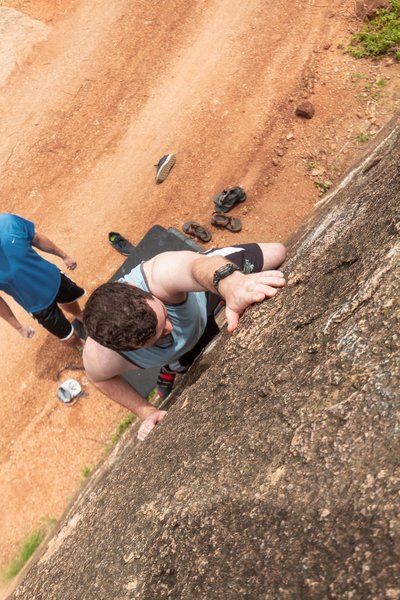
column 275, row 475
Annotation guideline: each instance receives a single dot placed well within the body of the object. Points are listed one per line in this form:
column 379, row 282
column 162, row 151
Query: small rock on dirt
column 305, row 109
column 316, row 172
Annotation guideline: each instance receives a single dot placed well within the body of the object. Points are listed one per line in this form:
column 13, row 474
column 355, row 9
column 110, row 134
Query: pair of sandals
column 223, row 201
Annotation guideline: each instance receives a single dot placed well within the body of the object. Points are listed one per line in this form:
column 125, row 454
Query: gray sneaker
column 164, row 166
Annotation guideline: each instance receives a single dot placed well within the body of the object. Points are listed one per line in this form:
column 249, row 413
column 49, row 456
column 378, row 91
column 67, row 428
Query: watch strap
column 224, row 272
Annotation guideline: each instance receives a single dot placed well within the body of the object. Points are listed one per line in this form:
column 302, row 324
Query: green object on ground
column 31, row 544
column 379, row 35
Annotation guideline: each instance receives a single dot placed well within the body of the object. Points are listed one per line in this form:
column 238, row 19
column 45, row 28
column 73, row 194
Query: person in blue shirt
column 35, row 283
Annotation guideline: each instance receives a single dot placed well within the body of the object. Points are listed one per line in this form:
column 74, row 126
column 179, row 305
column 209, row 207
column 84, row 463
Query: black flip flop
column 119, row 243
column 233, row 224
column 227, row 199
column 193, row 228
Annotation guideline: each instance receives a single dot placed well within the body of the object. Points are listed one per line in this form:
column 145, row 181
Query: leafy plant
column 379, row 35
column 86, row 470
column 122, row 426
column 323, row 186
column 311, row 165
column 127, row 422
column 31, row 544
column 363, row 136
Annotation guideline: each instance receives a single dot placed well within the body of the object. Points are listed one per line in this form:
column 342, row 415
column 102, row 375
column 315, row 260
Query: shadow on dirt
column 52, row 358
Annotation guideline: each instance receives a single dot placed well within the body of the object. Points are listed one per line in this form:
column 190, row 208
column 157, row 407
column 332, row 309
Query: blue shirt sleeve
column 24, row 227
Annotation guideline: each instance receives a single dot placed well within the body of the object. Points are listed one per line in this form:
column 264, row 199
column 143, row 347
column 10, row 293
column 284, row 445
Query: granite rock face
column 276, row 473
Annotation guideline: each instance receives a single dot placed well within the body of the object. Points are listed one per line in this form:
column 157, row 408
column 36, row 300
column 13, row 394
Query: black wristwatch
column 223, row 272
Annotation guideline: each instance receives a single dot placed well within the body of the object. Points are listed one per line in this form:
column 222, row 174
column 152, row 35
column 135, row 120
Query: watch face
column 223, row 272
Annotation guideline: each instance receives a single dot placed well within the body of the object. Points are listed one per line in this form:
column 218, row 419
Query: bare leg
column 74, row 309
column 274, row 255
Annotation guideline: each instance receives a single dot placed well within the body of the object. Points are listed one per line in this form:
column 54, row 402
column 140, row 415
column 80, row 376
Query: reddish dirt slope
column 84, row 119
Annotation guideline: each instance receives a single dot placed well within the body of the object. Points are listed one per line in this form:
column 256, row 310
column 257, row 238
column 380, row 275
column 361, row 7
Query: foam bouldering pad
column 157, row 240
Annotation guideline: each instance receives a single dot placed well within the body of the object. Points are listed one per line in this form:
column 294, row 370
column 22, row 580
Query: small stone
column 266, row 183
column 275, row 162
column 326, row 46
column 315, row 172
column 280, row 152
column 305, row 109
column 290, row 136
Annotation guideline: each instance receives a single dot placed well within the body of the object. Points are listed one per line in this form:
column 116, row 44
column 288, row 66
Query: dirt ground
column 86, row 116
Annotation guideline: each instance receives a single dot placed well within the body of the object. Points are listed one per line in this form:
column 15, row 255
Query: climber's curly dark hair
column 118, row 316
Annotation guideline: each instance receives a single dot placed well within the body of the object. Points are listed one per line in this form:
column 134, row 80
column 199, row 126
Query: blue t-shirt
column 31, row 280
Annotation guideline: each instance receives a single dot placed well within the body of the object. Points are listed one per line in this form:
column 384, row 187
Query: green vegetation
column 359, row 76
column 311, row 165
column 379, row 35
column 86, row 470
column 152, row 395
column 127, row 422
column 122, row 426
column 372, row 90
column 323, row 186
column 363, row 136
column 32, row 542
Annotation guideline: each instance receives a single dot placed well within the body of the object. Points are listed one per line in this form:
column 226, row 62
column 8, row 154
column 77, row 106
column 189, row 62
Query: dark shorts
column 248, row 257
column 52, row 318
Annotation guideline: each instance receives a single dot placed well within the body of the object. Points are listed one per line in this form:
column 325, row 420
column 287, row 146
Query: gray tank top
column 188, row 319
